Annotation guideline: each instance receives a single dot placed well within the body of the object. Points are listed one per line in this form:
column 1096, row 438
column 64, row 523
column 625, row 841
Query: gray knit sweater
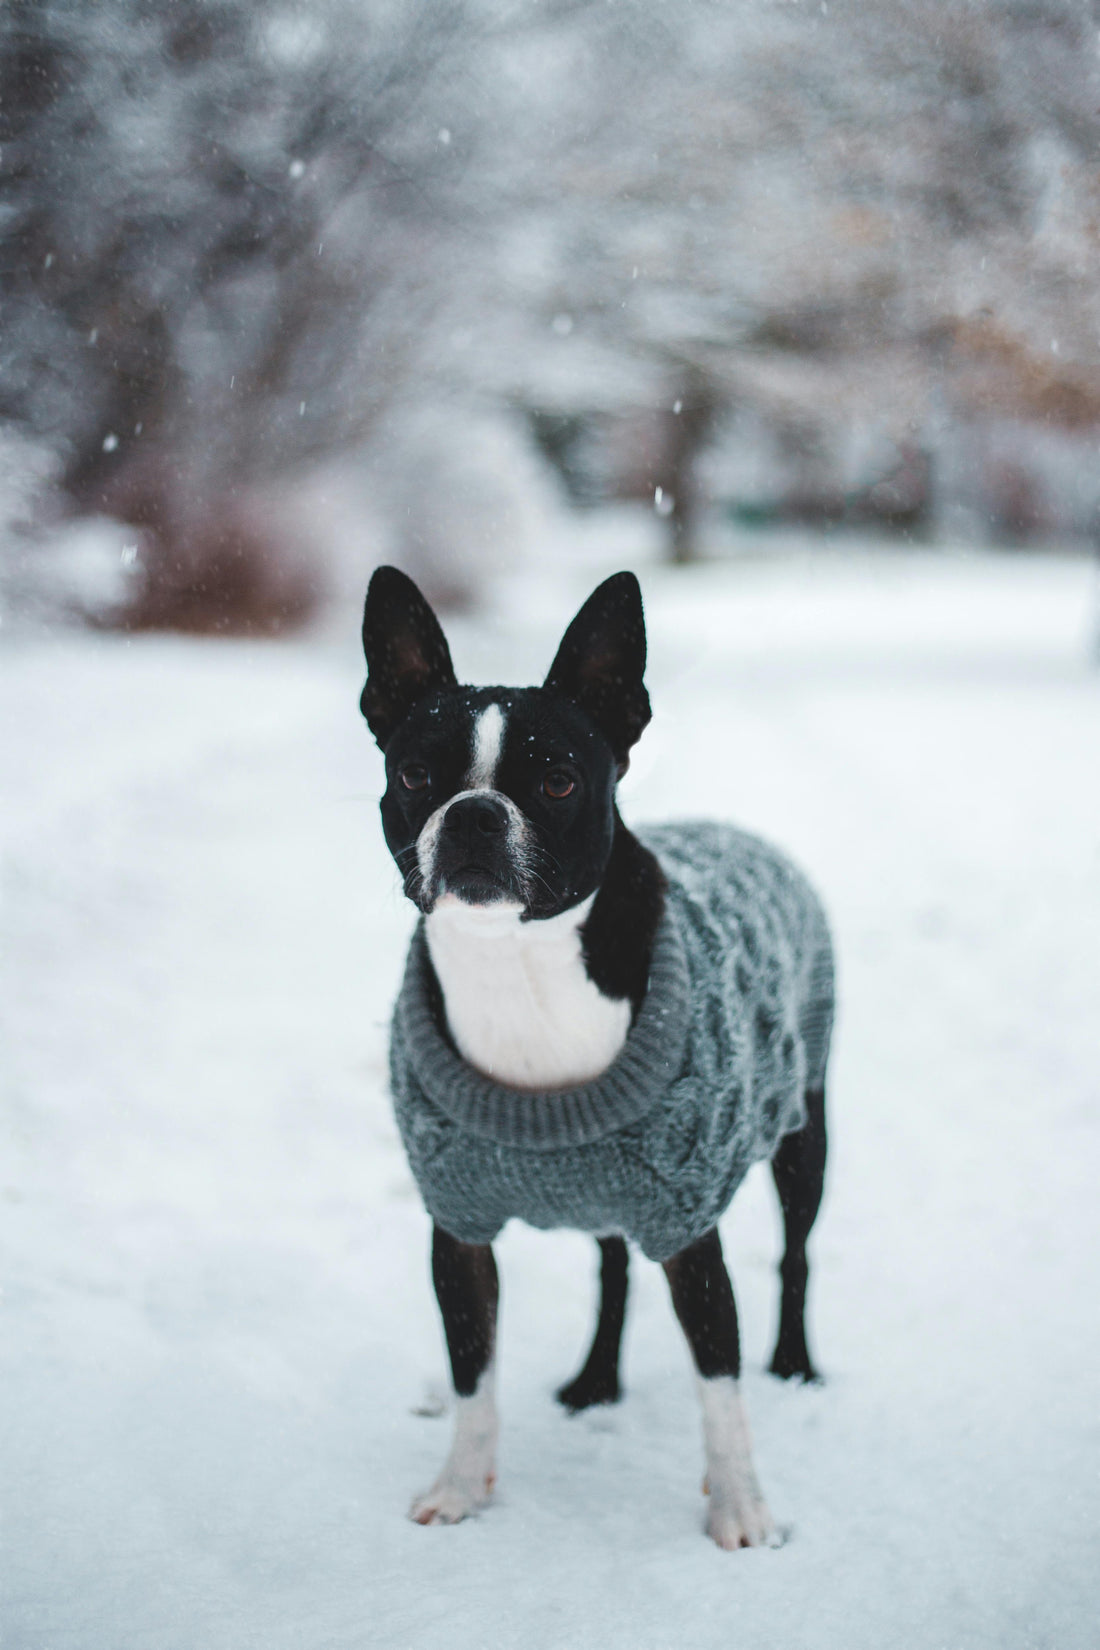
column 734, row 1028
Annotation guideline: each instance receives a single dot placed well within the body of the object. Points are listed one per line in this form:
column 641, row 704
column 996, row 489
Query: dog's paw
column 791, row 1361
column 586, row 1390
column 748, row 1524
column 450, row 1500
column 795, row 1369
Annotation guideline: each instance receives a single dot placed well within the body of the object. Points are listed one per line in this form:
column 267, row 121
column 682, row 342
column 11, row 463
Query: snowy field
column 218, row 1323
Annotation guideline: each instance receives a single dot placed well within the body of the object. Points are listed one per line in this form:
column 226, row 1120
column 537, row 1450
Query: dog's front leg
column 702, row 1295
column 465, row 1278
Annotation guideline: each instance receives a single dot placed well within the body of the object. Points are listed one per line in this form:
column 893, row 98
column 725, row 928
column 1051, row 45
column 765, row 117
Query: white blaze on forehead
column 487, row 745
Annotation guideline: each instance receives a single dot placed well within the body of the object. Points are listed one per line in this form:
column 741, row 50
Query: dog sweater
column 733, row 1029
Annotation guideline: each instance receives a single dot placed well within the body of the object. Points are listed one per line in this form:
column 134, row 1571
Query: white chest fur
column 519, row 1003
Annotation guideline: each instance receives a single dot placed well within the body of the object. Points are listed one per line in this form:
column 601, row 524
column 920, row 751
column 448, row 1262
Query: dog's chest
column 519, row 1004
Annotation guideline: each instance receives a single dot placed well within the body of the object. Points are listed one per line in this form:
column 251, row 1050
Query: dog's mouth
column 472, row 885
column 474, row 851
column 475, row 885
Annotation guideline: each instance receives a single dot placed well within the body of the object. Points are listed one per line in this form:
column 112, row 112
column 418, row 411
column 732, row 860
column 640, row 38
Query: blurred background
column 291, row 289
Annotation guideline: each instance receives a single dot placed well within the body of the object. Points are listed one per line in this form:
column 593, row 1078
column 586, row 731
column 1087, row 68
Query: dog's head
column 503, row 796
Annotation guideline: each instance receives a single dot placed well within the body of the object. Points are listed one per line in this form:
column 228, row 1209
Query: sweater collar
column 639, row 1075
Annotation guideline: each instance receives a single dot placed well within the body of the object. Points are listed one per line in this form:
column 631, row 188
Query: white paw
column 450, row 1500
column 738, row 1515
column 741, row 1524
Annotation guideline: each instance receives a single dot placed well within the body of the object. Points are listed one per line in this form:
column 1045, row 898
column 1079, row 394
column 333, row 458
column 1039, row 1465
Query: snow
column 220, row 1341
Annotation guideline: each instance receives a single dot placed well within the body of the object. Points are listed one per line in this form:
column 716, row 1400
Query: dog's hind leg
column 465, row 1278
column 598, row 1381
column 702, row 1296
column 798, row 1169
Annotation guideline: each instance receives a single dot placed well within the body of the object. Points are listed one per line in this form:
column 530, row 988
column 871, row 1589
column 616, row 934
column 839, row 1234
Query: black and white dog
column 540, row 912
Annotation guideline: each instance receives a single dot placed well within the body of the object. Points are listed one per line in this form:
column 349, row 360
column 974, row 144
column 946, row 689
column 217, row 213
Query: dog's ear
column 601, row 661
column 407, row 652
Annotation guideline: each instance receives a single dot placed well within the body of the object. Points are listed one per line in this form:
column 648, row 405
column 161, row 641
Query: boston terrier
column 597, row 1029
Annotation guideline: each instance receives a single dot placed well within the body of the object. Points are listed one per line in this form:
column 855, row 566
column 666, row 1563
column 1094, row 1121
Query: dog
column 597, row 1028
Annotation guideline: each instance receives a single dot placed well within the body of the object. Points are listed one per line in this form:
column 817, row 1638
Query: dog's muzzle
column 474, row 849
column 474, row 823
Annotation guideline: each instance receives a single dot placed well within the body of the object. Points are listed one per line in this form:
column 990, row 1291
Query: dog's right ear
column 601, row 662
column 407, row 652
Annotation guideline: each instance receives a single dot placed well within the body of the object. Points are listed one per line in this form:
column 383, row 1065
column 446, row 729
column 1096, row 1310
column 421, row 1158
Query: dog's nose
column 475, row 816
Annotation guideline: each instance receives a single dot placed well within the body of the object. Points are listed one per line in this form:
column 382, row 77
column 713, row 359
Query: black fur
column 406, row 648
column 574, row 836
column 601, row 661
column 798, row 1169
column 582, row 721
column 702, row 1297
column 467, row 1289
column 618, row 937
column 598, row 1380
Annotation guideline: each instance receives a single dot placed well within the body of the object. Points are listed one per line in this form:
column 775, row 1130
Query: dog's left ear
column 407, row 652
column 601, row 661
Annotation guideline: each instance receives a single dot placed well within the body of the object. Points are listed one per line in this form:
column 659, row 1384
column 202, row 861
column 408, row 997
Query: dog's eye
column 414, row 776
column 557, row 784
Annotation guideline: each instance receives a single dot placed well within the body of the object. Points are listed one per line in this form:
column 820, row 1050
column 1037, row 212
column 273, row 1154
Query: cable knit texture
column 734, row 1028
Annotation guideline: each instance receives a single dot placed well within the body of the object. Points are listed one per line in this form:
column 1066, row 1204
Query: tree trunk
column 688, row 424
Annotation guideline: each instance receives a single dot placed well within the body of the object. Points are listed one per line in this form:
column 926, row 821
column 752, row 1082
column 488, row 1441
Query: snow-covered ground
column 218, row 1323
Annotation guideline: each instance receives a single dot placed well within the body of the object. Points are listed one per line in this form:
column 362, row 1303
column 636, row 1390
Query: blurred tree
column 822, row 210
column 237, row 232
column 223, row 219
